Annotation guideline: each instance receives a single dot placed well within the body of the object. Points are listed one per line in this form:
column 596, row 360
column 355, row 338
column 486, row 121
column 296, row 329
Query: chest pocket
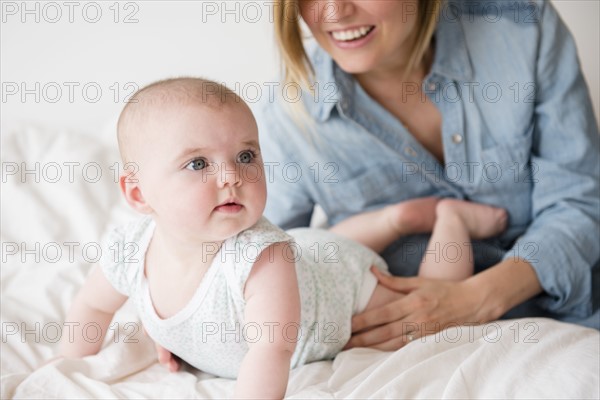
column 380, row 185
column 506, row 178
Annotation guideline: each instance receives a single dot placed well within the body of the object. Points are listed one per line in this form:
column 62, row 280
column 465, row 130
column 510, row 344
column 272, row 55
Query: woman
column 481, row 101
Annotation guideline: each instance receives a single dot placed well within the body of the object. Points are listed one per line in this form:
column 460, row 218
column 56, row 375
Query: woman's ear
column 130, row 188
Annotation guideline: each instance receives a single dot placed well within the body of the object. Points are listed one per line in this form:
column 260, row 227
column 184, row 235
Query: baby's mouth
column 229, row 207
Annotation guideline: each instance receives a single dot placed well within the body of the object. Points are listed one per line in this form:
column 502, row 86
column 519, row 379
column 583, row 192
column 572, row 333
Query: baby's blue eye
column 246, row 157
column 197, row 164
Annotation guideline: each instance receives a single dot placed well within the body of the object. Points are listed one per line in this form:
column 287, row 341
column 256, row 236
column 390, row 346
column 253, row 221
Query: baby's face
column 201, row 171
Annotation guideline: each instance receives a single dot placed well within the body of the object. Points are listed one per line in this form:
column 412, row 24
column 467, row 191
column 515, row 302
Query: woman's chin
column 355, row 66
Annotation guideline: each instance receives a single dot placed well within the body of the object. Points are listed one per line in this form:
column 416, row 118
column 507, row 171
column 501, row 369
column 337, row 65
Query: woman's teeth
column 352, row 34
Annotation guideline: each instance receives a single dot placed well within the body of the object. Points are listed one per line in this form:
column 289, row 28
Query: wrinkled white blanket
column 54, row 215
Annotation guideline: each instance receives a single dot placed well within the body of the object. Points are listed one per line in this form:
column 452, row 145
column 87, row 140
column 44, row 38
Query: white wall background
column 583, row 19
column 72, row 58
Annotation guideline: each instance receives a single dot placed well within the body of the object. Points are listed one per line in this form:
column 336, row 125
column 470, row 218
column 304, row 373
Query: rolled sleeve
column 562, row 243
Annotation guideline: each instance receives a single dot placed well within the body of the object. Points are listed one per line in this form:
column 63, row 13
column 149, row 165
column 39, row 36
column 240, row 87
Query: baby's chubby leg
column 380, row 228
column 457, row 223
column 480, row 221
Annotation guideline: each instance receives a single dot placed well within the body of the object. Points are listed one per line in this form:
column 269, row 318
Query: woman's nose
column 333, row 11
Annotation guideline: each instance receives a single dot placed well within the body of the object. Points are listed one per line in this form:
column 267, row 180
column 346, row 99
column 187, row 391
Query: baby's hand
column 166, row 358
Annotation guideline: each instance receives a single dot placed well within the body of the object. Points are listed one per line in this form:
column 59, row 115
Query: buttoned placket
column 457, row 170
column 395, row 135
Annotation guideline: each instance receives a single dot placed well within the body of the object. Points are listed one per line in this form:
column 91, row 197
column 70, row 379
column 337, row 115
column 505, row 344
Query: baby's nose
column 230, row 174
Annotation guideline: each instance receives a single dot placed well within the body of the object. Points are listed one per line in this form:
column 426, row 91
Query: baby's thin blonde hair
column 151, row 98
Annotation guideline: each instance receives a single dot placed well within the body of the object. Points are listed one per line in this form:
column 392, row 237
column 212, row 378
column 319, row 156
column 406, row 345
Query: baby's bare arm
column 95, row 303
column 272, row 303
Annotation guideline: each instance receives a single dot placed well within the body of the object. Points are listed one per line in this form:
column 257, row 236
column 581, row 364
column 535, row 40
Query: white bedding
column 526, row 358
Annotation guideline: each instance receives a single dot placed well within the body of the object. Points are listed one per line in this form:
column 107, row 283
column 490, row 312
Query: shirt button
column 409, row 151
column 431, row 86
column 456, row 138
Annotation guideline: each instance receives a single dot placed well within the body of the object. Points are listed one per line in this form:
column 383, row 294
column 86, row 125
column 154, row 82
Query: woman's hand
column 429, row 306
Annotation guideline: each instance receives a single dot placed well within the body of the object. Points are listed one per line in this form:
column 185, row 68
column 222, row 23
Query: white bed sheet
column 525, row 358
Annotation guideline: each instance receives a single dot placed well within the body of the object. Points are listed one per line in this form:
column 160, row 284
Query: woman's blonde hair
column 297, row 66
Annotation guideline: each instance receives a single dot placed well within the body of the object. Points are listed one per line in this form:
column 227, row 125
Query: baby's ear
column 130, row 188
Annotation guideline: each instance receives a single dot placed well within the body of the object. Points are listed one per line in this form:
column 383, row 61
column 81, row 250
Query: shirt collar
column 333, row 85
column 326, row 86
column 451, row 57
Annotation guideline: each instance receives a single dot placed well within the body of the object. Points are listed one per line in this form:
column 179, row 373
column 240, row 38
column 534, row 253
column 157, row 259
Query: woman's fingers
column 378, row 316
column 394, row 343
column 396, row 283
column 425, row 310
column 390, row 336
column 380, row 334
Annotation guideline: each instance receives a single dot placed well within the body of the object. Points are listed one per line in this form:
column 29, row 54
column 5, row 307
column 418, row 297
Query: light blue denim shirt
column 518, row 132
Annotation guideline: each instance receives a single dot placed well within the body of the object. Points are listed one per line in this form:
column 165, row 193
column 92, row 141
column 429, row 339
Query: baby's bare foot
column 413, row 216
column 482, row 221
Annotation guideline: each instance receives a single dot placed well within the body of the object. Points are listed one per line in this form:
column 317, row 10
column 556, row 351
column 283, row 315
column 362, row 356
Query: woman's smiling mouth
column 348, row 35
column 352, row 37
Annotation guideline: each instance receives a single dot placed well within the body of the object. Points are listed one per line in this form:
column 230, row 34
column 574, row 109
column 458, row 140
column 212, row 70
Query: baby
column 213, row 281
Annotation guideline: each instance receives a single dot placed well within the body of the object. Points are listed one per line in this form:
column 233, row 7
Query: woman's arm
column 95, row 303
column 273, row 304
column 562, row 241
